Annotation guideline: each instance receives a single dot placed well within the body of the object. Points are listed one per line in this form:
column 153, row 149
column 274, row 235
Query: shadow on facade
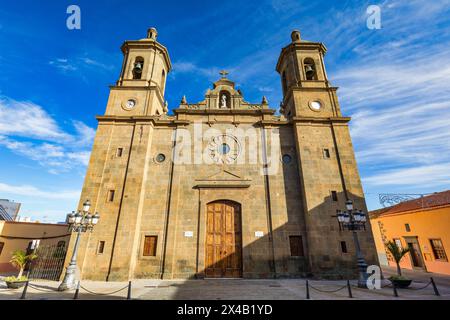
column 327, row 251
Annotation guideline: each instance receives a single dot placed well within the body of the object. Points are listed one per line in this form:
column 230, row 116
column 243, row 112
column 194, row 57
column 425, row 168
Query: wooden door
column 415, row 253
column 223, row 240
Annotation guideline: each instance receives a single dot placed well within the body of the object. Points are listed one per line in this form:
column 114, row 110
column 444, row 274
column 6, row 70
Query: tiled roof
column 436, row 199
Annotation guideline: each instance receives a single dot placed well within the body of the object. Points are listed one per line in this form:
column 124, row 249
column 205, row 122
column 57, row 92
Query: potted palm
column 19, row 260
column 398, row 253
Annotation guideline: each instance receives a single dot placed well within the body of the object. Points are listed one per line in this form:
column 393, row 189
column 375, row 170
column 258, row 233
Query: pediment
column 223, row 179
column 222, row 97
column 222, row 175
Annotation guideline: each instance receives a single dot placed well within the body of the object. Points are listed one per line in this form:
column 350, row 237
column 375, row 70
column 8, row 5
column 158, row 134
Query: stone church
column 223, row 187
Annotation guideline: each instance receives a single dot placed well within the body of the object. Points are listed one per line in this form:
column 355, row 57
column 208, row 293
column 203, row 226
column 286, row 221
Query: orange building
column 421, row 224
column 22, row 235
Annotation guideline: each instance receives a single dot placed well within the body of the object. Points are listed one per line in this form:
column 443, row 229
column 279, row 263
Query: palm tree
column 397, row 253
column 19, row 260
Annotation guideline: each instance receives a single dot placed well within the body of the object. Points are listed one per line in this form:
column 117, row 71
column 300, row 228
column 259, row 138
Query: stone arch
column 138, row 67
column 310, row 69
column 227, row 100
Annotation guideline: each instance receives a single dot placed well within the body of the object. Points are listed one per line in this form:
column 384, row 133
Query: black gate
column 49, row 262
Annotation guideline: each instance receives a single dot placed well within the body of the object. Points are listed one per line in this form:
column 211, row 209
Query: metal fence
column 49, row 263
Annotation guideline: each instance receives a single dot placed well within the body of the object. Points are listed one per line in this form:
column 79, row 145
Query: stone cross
column 224, row 73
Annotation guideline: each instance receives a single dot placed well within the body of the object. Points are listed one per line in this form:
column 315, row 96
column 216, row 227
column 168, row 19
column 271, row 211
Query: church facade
column 224, row 187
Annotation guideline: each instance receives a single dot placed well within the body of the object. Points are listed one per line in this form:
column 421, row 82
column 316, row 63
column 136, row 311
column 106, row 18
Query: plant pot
column 401, row 283
column 15, row 284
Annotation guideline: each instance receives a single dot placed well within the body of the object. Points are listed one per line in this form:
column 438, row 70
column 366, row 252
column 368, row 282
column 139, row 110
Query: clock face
column 315, row 105
column 130, row 104
column 224, row 148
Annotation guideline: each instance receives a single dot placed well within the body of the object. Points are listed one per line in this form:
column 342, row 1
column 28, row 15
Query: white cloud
column 190, row 67
column 85, row 134
column 95, row 63
column 265, row 89
column 400, row 109
column 31, row 191
column 77, row 65
column 26, row 119
column 56, row 158
column 28, row 130
column 386, row 81
column 419, row 177
column 63, row 64
column 396, row 89
column 411, row 134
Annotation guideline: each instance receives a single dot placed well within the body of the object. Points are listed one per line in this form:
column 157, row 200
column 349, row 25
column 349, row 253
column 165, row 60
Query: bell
column 137, row 67
column 309, row 70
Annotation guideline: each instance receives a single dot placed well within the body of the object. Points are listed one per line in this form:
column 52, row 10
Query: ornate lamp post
column 354, row 220
column 78, row 222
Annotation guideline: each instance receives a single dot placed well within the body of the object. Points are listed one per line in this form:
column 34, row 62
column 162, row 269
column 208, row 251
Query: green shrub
column 15, row 279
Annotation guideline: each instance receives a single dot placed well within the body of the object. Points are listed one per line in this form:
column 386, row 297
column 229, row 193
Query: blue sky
column 394, row 82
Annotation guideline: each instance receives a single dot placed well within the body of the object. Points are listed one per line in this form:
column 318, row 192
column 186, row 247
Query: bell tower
column 306, row 89
column 327, row 165
column 142, row 81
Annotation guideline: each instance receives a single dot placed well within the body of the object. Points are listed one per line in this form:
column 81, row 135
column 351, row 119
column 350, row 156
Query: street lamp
column 354, row 220
column 78, row 222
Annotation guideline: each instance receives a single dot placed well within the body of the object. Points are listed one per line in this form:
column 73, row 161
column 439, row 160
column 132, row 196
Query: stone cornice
column 156, row 121
column 302, row 45
column 299, row 88
column 290, row 91
column 145, row 44
column 221, row 185
column 333, row 120
column 225, row 111
column 149, row 88
column 265, row 123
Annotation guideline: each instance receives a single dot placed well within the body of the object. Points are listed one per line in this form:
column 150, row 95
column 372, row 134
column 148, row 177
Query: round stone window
column 286, row 158
column 160, row 158
column 224, row 148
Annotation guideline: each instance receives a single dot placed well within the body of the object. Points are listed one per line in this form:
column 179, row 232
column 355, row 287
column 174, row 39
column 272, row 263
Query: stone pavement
column 238, row 289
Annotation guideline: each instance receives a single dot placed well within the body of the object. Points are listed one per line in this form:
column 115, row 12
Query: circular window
column 129, row 104
column 160, row 158
column 315, row 105
column 287, row 158
column 224, row 148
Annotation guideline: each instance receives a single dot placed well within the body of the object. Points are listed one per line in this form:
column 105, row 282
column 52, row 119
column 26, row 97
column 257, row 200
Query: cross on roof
column 224, row 73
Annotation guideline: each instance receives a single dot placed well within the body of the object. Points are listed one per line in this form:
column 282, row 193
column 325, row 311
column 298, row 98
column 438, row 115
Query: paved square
column 239, row 289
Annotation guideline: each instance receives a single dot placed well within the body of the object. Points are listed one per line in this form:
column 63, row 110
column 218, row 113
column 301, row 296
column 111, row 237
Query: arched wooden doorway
column 223, row 240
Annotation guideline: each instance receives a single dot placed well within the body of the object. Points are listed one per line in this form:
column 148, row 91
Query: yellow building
column 24, row 235
column 423, row 225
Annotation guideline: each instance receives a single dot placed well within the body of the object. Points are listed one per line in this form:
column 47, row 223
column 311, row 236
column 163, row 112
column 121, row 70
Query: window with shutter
column 296, row 245
column 101, row 247
column 438, row 249
column 150, row 246
column 111, row 195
